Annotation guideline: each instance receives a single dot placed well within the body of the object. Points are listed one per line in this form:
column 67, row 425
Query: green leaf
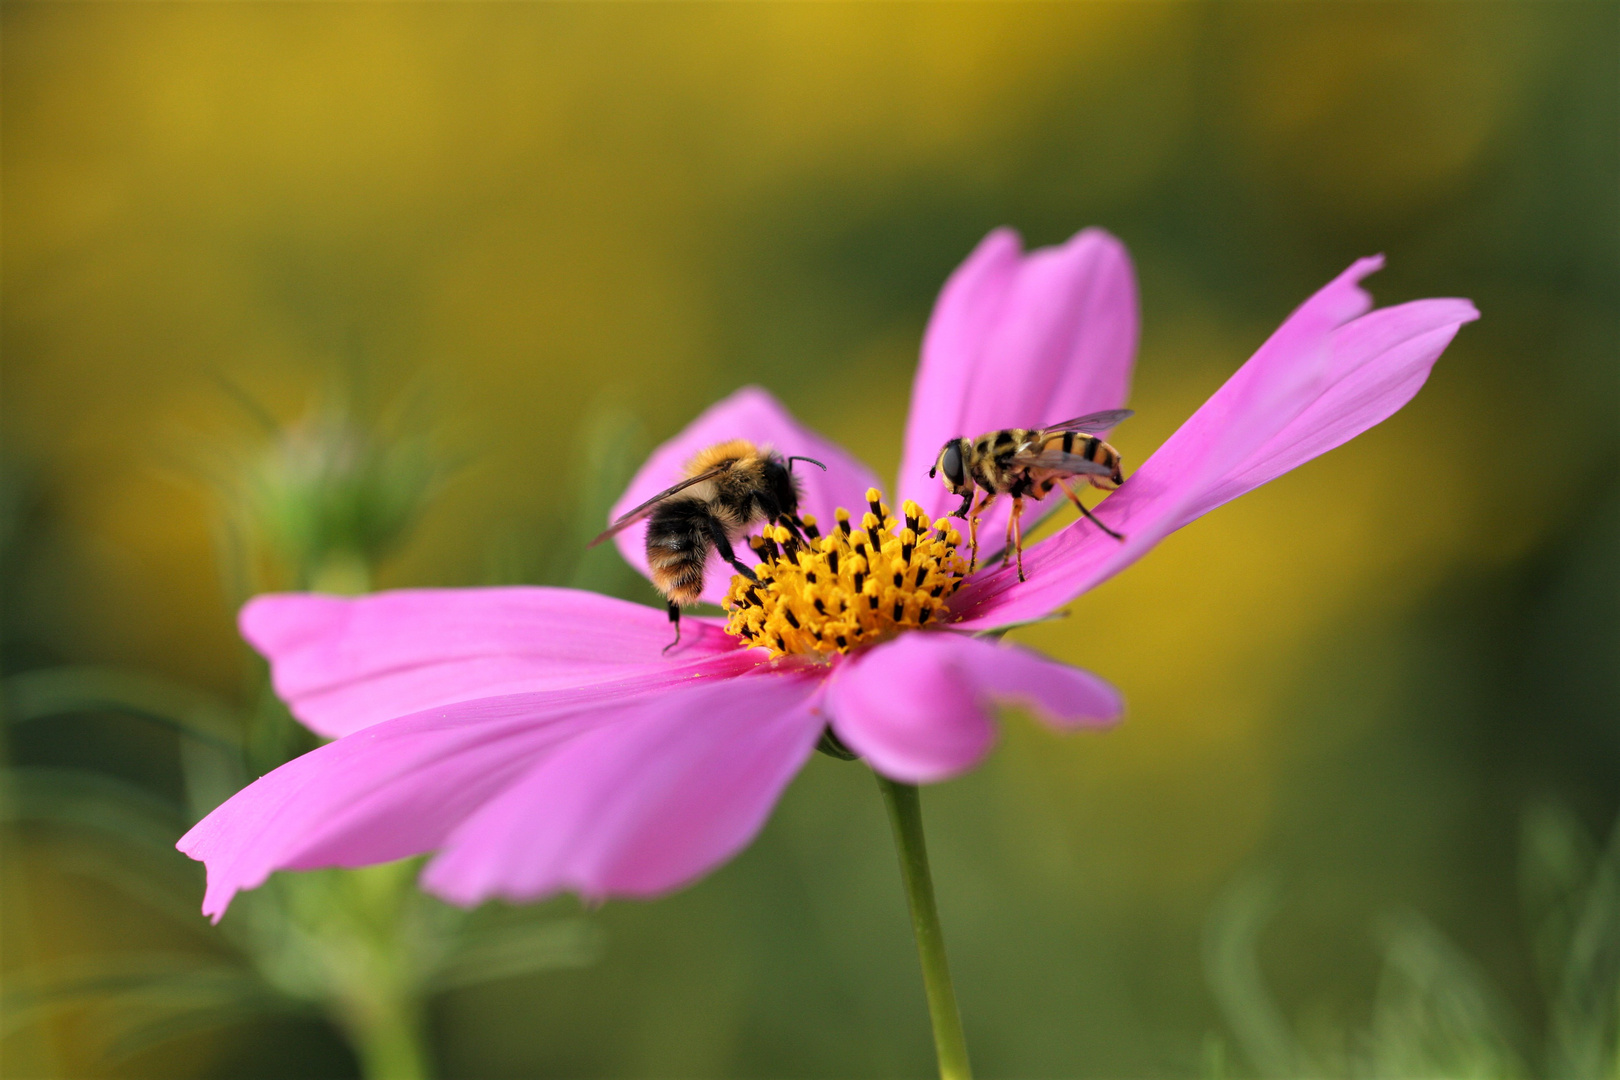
column 36, row 695
column 516, row 949
column 1232, row 966
column 84, row 799
column 166, row 981
column 175, row 890
column 1586, row 1010
column 1434, row 1014
column 132, row 1031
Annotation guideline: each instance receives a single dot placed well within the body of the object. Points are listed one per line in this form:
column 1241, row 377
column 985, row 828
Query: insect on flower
column 536, row 740
column 729, row 488
column 1022, row 463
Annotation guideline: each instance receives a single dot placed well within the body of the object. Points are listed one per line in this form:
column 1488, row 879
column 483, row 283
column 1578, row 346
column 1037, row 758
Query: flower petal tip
column 1366, row 266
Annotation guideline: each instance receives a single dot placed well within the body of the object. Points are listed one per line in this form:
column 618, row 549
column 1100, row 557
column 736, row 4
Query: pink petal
column 674, row 786
column 344, row 663
column 1382, row 360
column 753, row 414
column 1314, row 385
column 919, row 708
column 1020, row 341
column 402, row 787
column 395, row 789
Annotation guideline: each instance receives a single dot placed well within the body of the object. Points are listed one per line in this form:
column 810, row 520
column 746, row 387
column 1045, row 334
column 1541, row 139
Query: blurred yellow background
column 521, row 219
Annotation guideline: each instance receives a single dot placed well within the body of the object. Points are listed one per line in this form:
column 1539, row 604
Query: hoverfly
column 1028, row 463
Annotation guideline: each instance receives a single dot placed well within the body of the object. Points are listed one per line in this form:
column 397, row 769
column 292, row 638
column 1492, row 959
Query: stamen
column 806, row 599
column 872, row 523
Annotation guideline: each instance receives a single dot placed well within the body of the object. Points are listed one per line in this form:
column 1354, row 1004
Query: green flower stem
column 392, row 1046
column 340, row 573
column 905, row 814
column 370, row 912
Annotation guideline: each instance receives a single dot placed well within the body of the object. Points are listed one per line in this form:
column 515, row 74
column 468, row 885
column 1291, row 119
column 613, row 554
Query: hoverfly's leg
column 1089, row 515
column 675, row 621
column 1014, row 533
column 973, row 528
column 1015, row 526
column 1007, row 541
column 722, row 544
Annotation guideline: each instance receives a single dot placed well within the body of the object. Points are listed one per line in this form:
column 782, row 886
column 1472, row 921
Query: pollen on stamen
column 807, row 600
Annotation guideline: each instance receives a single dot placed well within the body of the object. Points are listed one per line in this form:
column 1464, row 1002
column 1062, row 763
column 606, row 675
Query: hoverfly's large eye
column 951, row 462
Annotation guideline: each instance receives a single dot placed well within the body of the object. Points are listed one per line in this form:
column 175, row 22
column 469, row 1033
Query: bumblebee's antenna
column 801, row 457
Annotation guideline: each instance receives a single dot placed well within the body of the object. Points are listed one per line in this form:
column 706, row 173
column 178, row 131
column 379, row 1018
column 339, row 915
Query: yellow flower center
column 856, row 586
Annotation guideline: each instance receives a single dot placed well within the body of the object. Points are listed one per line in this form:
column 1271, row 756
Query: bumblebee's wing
column 1092, row 423
column 646, row 508
column 1058, row 461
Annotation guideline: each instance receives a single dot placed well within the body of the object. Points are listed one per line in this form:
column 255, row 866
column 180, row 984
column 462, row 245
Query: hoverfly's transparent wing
column 645, row 509
column 1092, row 423
column 1058, row 461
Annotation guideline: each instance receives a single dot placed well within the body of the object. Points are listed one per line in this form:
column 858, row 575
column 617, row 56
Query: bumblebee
column 1027, row 463
column 729, row 488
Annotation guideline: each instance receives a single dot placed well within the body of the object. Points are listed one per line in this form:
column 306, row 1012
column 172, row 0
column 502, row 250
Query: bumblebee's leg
column 1089, row 515
column 1016, row 527
column 794, row 523
column 973, row 528
column 795, row 529
column 722, row 544
column 675, row 621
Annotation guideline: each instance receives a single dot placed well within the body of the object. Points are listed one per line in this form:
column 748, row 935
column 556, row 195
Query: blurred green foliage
column 314, row 505
column 1434, row 1013
column 567, row 229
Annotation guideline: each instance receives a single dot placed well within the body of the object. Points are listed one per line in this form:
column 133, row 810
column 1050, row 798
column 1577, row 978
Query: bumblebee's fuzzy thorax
column 738, row 452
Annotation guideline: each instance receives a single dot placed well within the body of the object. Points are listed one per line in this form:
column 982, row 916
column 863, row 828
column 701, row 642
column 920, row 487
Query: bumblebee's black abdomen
column 677, row 523
column 678, row 546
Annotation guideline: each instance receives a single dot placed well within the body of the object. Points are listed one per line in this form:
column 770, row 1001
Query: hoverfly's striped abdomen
column 1092, row 449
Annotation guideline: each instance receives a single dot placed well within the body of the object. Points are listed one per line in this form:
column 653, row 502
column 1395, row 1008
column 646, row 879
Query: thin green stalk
column 391, row 1045
column 905, row 814
column 382, row 996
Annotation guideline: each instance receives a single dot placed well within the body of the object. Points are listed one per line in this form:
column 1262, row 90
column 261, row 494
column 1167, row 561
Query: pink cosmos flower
column 539, row 740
